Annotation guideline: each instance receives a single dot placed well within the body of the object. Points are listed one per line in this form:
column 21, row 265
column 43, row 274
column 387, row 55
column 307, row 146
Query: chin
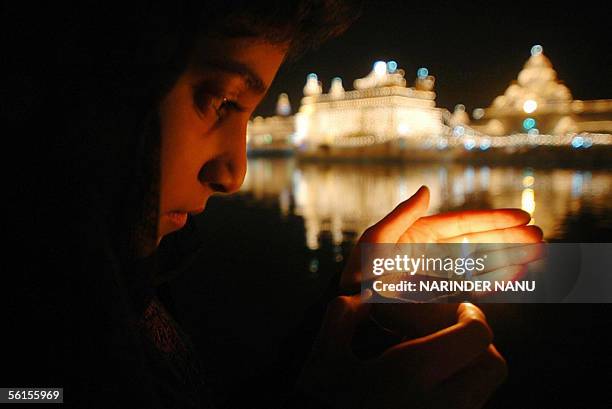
column 164, row 229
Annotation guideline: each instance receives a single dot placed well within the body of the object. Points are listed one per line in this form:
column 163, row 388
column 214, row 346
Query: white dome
column 536, row 81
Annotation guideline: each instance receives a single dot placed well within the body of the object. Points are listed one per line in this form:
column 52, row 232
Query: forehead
column 247, row 54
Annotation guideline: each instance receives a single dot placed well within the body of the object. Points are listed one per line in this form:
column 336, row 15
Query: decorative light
column 588, row 142
column 577, row 142
column 485, row 143
column 533, row 132
column 577, row 183
column 536, row 50
column 478, row 113
column 336, row 90
column 469, row 144
column 529, row 123
column 313, row 86
column 283, row 106
column 530, row 106
column 380, row 68
column 528, row 201
column 442, row 143
column 391, row 66
column 422, row 73
column 403, row 128
column 459, row 130
column 528, row 181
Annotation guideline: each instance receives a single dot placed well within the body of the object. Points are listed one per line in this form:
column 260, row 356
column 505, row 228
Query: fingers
column 510, row 256
column 393, row 225
column 518, row 234
column 342, row 316
column 387, row 230
column 459, row 223
column 447, row 351
column 508, row 273
column 473, row 386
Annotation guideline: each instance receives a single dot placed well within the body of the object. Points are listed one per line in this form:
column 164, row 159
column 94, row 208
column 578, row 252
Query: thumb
column 392, row 226
column 387, row 230
column 342, row 316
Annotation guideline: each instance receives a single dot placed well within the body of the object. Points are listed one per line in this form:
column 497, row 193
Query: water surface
column 347, row 198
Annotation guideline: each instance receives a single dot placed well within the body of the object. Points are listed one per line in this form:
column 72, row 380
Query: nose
column 225, row 172
column 222, row 175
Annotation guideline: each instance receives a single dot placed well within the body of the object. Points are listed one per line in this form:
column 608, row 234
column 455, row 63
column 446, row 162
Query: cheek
column 183, row 151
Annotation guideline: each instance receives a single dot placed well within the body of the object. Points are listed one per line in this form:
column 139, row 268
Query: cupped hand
column 456, row 367
column 407, row 223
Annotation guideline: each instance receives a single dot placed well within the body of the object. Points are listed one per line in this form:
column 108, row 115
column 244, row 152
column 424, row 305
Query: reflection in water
column 528, row 201
column 345, row 199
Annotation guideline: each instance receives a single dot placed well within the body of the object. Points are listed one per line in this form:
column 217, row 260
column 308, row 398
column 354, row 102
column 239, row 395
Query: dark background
column 473, row 48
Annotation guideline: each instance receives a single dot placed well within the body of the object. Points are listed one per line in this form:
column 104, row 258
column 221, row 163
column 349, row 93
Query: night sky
column 474, row 49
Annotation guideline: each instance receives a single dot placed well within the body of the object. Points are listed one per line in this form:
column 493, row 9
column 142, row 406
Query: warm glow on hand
column 407, row 224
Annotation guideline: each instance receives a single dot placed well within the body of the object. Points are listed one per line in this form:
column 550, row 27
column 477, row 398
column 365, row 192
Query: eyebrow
column 252, row 80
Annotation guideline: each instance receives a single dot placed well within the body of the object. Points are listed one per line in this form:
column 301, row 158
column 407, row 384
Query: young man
column 150, row 108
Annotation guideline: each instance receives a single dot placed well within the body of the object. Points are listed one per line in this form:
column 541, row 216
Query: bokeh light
column 422, row 73
column 530, row 106
column 529, row 123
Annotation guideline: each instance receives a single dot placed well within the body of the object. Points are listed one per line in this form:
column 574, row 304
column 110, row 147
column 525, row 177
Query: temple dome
column 537, row 81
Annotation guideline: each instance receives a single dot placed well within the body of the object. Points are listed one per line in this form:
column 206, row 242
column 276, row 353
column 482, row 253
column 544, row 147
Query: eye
column 207, row 103
column 225, row 106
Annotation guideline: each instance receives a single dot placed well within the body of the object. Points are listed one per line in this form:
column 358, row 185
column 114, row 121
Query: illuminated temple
column 380, row 108
column 382, row 117
column 538, row 102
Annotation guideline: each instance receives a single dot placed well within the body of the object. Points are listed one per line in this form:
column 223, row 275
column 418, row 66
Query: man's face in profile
column 203, row 124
